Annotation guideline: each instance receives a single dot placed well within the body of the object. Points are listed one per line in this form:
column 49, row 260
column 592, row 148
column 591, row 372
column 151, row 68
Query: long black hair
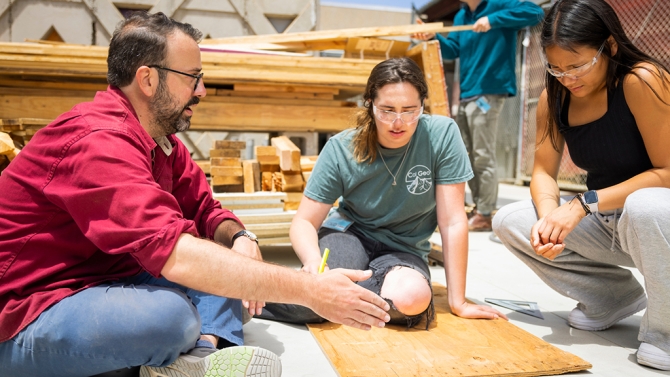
column 589, row 23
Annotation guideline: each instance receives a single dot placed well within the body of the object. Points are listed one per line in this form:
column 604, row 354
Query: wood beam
column 383, row 31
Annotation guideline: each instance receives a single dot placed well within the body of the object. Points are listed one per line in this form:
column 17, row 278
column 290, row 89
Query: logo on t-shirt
column 419, row 180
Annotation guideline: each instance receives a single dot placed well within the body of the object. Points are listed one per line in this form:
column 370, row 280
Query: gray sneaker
column 579, row 320
column 653, row 356
column 229, row 362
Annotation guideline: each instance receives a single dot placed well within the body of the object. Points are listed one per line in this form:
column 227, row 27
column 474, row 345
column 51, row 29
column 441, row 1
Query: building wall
column 93, row 21
column 346, row 16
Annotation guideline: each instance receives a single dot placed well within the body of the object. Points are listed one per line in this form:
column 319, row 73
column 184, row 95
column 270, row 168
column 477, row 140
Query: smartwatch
column 244, row 233
column 591, row 200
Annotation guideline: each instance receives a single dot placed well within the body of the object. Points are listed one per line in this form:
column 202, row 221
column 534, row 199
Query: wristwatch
column 591, row 200
column 244, row 233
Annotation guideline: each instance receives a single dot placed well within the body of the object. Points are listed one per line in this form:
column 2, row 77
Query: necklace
column 401, row 163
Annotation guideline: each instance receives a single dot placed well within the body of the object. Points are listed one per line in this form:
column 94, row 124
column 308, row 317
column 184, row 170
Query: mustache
column 192, row 101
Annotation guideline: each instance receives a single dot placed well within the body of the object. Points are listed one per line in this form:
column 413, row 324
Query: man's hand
column 422, row 36
column 339, row 300
column 482, row 25
column 249, row 248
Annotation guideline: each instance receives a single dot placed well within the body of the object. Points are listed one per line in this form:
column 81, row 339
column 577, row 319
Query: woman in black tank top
column 609, row 103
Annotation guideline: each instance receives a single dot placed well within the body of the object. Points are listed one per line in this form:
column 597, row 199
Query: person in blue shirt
column 487, row 61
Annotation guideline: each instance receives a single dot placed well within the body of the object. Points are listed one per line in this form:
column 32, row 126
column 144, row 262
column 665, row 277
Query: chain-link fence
column 646, row 24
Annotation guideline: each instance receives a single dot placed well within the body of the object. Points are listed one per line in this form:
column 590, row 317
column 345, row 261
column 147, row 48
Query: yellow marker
column 323, row 260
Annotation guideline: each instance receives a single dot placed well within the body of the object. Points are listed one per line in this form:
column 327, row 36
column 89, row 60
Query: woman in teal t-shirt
column 399, row 175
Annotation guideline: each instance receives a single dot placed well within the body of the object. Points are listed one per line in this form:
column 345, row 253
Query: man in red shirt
column 106, row 230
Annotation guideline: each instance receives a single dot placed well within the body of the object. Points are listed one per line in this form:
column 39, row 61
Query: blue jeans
column 138, row 321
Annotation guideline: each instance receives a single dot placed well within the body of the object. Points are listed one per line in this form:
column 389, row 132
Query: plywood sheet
column 453, row 346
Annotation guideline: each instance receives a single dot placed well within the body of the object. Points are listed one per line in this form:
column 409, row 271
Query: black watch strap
column 244, row 233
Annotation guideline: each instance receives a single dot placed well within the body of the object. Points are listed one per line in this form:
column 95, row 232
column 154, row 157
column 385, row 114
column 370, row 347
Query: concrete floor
column 493, row 273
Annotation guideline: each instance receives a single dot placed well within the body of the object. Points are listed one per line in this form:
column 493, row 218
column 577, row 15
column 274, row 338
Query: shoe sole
column 244, row 361
column 641, row 303
column 228, row 362
column 653, row 360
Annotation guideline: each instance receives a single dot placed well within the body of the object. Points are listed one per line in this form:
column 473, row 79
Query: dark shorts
column 352, row 250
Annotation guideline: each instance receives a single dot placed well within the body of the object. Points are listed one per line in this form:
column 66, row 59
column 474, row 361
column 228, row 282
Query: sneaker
column 578, row 320
column 653, row 356
column 234, row 361
column 480, row 223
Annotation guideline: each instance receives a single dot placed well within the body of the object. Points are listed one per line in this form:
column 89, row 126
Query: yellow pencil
column 323, row 260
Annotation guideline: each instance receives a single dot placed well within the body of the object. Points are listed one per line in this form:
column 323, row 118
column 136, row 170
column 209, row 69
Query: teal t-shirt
column 402, row 216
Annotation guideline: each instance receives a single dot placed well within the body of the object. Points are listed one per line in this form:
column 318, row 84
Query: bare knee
column 408, row 289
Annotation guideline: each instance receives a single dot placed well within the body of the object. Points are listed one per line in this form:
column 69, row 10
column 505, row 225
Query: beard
column 168, row 114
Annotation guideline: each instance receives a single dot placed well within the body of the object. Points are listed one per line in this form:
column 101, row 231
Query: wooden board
column 289, row 153
column 427, row 55
column 326, row 35
column 453, row 346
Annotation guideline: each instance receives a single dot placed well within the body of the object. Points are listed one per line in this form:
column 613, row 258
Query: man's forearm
column 225, row 232
column 205, row 266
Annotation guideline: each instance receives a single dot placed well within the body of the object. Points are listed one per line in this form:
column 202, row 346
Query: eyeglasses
column 390, row 116
column 578, row 72
column 196, row 77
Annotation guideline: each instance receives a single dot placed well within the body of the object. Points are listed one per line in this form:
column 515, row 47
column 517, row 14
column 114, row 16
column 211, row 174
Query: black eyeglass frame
column 196, row 77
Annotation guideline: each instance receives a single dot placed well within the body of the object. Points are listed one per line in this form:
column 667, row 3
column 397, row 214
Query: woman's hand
column 470, row 310
column 312, row 266
column 548, row 234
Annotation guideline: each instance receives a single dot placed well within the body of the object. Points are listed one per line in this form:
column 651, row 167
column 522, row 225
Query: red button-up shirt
column 86, row 202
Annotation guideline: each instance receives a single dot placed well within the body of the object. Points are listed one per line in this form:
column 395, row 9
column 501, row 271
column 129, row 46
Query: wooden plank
column 252, row 176
column 429, row 58
column 452, row 346
column 225, row 161
column 265, row 150
column 280, row 101
column 229, row 144
column 269, row 94
column 284, row 217
column 284, row 88
column 273, row 241
column 258, row 197
column 326, row 35
column 219, row 171
column 289, row 153
column 219, row 153
column 6, row 144
column 268, row 160
column 307, row 162
column 266, row 180
column 228, row 180
column 228, row 189
column 291, row 181
column 270, row 230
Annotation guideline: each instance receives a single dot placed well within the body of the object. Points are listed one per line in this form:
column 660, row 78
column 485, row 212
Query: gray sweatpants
column 588, row 268
column 479, row 131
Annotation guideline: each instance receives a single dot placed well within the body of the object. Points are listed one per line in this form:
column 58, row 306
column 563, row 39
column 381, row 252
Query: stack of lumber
column 245, row 92
column 271, row 229
column 226, row 166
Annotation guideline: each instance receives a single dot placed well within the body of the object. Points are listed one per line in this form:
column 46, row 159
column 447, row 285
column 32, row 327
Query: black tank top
column 610, row 149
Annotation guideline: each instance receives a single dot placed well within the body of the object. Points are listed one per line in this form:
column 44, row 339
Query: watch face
column 590, row 197
column 250, row 235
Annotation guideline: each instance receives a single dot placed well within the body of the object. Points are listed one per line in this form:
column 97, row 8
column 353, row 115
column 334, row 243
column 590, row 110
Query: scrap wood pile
column 277, row 168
